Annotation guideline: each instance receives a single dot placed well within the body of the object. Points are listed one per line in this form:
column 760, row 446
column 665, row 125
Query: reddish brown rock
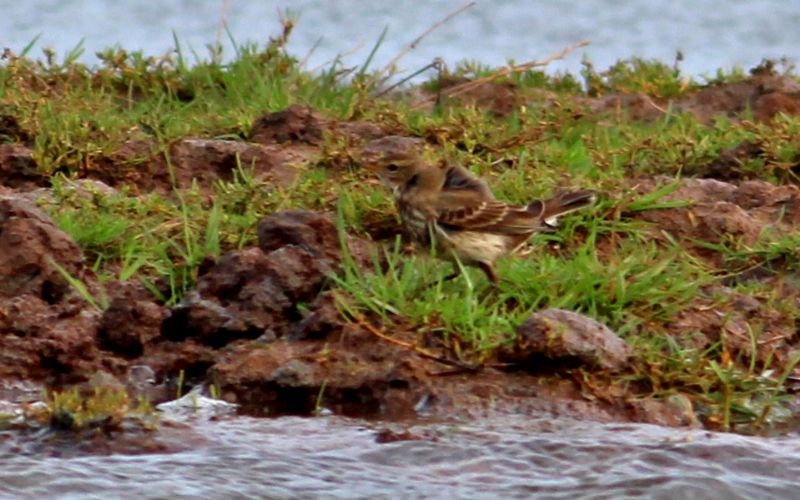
column 131, row 321
column 10, row 128
column 500, row 99
column 673, row 411
column 568, row 338
column 730, row 163
column 767, row 106
column 209, row 160
column 320, row 321
column 765, row 93
column 633, row 106
column 18, row 169
column 237, row 298
column 312, row 231
column 351, row 374
column 140, row 162
column 297, row 123
column 136, row 162
column 300, row 124
column 722, row 315
column 718, row 210
column 256, row 291
column 31, row 248
column 39, row 341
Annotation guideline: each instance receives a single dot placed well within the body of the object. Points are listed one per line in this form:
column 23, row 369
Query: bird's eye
column 392, row 167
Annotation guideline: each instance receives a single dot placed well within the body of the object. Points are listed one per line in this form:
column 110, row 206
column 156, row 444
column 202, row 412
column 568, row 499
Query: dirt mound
column 32, row 250
column 765, row 93
column 718, row 211
column 18, row 169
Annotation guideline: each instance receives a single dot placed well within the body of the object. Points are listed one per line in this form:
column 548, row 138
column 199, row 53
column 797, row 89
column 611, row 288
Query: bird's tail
column 564, row 203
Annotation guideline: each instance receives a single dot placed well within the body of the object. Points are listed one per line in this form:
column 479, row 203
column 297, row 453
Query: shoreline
column 190, row 219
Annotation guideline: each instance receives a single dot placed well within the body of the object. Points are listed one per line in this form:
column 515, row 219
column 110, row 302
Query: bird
column 456, row 214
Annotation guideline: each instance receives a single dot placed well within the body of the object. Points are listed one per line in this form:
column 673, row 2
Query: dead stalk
column 417, row 40
column 222, row 22
column 412, row 347
column 465, row 87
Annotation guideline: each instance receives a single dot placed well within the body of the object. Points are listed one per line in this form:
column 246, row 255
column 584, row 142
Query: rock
column 30, row 248
column 256, row 291
column 299, row 124
column 18, row 169
column 294, row 373
column 209, row 160
column 721, row 210
column 321, row 320
column 500, row 99
column 728, row 165
column 314, row 232
column 131, row 321
column 10, row 129
column 140, row 162
column 636, row 106
column 720, row 312
column 236, row 299
column 351, row 374
column 54, row 343
column 569, row 338
column 765, row 93
column 311, row 231
column 674, row 411
column 767, row 106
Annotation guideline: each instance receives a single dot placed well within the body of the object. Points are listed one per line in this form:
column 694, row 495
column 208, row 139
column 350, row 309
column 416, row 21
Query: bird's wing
column 459, row 178
column 456, row 211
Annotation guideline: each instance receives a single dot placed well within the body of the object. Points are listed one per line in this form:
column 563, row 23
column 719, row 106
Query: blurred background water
column 711, row 34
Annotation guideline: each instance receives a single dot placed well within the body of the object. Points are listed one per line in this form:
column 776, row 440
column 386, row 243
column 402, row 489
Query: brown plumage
column 456, row 213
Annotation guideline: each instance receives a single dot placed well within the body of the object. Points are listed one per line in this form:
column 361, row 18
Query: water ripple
column 339, row 458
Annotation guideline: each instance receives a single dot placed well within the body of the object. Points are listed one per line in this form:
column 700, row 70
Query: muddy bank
column 764, row 94
column 262, row 323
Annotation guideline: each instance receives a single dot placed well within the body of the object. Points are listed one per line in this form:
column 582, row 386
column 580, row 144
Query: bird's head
column 394, row 159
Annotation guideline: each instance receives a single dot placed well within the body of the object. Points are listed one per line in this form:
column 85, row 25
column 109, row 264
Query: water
column 332, row 457
column 712, row 33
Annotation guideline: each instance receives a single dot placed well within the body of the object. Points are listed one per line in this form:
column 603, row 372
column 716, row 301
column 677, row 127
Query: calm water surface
column 332, row 457
column 711, row 33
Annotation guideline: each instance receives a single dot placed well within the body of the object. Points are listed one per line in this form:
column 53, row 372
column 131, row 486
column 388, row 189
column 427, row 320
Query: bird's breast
column 472, row 247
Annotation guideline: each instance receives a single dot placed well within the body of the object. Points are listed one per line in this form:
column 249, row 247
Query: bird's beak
column 370, row 163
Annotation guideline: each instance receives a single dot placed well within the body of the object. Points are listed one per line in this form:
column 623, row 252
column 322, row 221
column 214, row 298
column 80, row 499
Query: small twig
column 304, row 61
column 413, row 347
column 436, row 63
column 222, row 21
column 339, row 57
column 464, row 87
column 427, row 32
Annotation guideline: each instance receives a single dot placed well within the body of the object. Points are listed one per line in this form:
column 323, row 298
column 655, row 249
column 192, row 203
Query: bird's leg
column 490, row 272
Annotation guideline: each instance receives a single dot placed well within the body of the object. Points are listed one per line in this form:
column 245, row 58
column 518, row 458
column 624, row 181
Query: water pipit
column 455, row 213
